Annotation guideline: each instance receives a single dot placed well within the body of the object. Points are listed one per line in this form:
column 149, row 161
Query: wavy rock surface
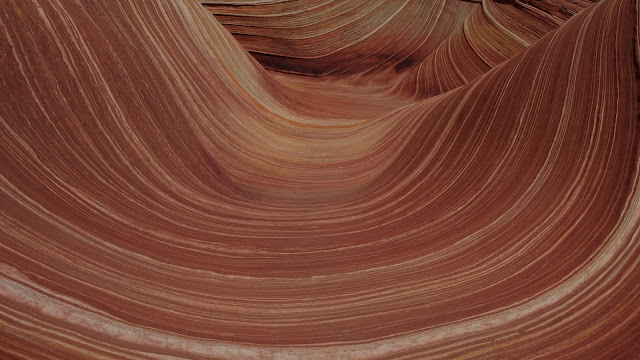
column 492, row 34
column 340, row 37
column 165, row 196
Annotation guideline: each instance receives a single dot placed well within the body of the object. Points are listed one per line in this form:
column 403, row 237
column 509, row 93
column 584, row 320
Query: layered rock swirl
column 420, row 180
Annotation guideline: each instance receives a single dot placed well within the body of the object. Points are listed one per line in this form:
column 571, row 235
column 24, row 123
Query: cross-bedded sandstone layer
column 461, row 181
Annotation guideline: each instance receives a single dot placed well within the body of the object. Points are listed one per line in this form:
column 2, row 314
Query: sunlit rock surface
column 319, row 179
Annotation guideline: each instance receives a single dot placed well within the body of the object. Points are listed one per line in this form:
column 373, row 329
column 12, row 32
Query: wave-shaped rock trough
column 407, row 179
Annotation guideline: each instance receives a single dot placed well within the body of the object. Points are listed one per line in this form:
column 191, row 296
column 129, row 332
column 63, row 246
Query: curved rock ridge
column 445, row 43
column 491, row 34
column 340, row 37
column 164, row 196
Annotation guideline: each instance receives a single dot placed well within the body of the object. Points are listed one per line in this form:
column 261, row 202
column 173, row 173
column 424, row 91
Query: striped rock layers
column 164, row 196
column 340, row 37
column 493, row 33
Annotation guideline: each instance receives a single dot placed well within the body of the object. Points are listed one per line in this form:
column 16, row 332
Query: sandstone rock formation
column 384, row 180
